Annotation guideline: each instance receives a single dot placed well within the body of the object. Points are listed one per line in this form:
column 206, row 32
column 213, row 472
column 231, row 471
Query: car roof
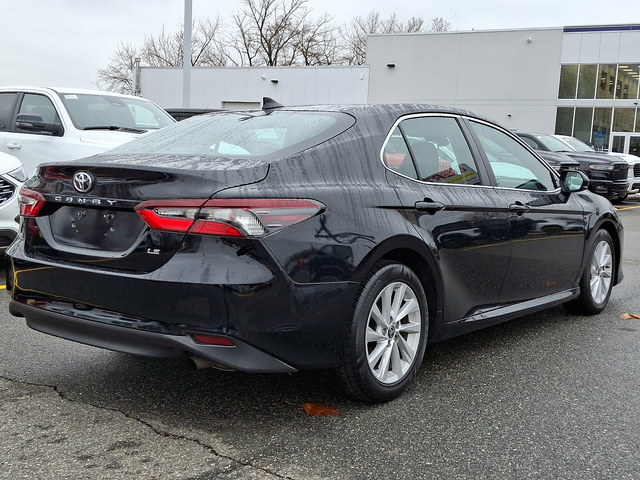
column 63, row 90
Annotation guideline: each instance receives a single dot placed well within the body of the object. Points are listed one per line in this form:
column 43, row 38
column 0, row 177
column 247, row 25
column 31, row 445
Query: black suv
column 607, row 175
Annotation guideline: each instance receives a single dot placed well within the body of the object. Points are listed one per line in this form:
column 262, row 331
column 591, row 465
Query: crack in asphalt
column 150, row 426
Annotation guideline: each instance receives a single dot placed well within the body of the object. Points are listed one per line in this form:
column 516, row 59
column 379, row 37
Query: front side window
column 513, row 166
column 41, row 108
column 33, row 104
column 431, row 149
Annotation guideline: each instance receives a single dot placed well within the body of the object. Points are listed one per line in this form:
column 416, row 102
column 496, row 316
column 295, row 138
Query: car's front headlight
column 18, row 174
column 599, row 166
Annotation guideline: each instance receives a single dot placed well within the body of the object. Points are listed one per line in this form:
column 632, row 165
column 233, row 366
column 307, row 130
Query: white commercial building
column 242, row 88
column 580, row 81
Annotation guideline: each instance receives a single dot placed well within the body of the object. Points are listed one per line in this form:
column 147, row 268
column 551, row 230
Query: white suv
column 11, row 177
column 40, row 124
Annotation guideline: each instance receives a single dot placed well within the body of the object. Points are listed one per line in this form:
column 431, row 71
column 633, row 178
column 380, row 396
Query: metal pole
column 186, row 59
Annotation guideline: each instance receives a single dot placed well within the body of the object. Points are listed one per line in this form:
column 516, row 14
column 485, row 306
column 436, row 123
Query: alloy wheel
column 393, row 333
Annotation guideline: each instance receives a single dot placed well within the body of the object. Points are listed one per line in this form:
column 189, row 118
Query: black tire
column 621, row 198
column 381, row 357
column 598, row 277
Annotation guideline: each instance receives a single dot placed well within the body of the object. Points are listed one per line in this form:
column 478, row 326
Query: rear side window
column 242, row 134
column 6, row 106
column 431, row 149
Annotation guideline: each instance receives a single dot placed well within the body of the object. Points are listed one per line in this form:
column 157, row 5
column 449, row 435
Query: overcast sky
column 64, row 42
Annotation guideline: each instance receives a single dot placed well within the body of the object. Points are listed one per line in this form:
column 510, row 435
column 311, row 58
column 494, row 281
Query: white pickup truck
column 40, row 124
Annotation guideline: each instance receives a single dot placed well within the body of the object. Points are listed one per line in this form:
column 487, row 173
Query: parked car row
column 611, row 175
column 275, row 240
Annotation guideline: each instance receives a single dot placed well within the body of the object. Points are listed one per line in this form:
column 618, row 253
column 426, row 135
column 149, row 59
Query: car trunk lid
column 88, row 213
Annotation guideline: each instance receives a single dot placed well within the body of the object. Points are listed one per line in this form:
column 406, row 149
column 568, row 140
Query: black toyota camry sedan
column 341, row 237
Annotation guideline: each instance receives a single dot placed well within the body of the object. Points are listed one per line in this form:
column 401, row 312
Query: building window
column 601, row 128
column 582, row 123
column 587, row 81
column 627, row 84
column 564, row 121
column 603, row 82
column 606, row 81
column 623, row 119
column 568, row 81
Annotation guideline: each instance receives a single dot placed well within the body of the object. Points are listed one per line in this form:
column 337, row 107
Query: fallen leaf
column 628, row 316
column 317, row 409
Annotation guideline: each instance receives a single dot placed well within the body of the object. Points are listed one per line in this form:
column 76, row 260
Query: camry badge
column 83, row 181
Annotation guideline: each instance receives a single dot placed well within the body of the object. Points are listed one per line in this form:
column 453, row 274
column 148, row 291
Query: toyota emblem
column 83, row 181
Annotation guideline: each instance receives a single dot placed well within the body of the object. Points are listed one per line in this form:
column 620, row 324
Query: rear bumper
column 69, row 325
column 294, row 325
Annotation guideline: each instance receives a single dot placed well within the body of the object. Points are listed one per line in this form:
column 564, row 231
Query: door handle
column 429, row 206
column 518, row 208
column 14, row 146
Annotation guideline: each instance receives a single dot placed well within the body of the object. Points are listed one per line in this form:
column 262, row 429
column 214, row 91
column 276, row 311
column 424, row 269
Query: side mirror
column 35, row 123
column 572, row 181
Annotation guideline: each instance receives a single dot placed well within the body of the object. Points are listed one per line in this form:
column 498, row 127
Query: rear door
column 445, row 192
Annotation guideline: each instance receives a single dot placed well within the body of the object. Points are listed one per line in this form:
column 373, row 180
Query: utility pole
column 186, row 59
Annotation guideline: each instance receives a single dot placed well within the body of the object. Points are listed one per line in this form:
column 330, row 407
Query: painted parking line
column 3, row 287
column 627, row 208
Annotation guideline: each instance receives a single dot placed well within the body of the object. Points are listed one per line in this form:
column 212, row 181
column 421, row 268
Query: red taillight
column 169, row 215
column 30, row 202
column 213, row 340
column 227, row 217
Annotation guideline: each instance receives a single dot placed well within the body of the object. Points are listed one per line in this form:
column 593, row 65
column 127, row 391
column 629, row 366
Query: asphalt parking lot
column 546, row 396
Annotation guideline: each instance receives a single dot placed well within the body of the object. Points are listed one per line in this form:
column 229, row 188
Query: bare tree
column 262, row 33
column 163, row 50
column 354, row 36
column 318, row 43
column 438, row 24
column 266, row 31
column 116, row 77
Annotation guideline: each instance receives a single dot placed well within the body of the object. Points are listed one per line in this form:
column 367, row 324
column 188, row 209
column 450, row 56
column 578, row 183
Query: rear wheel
column 387, row 334
column 597, row 279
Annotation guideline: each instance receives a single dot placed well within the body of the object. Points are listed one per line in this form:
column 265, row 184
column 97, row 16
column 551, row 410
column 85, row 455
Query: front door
column 541, row 222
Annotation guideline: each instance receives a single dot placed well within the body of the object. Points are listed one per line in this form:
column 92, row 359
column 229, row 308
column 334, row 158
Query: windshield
column 578, row 145
column 242, row 134
column 554, row 144
column 112, row 112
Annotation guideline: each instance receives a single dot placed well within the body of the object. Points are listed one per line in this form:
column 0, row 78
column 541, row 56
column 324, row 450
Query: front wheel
column 387, row 334
column 597, row 279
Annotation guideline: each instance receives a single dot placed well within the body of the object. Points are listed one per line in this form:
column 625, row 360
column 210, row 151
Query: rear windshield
column 242, row 134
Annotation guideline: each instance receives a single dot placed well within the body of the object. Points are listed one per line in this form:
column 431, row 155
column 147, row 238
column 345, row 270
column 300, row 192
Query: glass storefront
column 598, row 82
